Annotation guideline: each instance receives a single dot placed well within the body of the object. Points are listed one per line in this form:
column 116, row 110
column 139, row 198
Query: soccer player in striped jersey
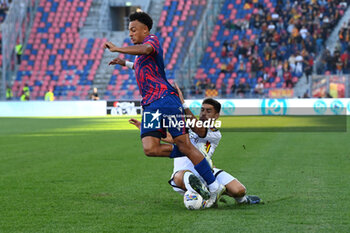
column 160, row 101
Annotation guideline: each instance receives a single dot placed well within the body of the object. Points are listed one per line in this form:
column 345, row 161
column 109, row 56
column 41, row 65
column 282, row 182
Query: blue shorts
column 165, row 113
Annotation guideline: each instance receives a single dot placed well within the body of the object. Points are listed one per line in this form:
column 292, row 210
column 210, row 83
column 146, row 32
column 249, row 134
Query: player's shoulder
column 213, row 129
column 152, row 37
column 214, row 132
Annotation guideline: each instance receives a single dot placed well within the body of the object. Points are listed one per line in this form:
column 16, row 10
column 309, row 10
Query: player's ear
column 145, row 29
column 217, row 115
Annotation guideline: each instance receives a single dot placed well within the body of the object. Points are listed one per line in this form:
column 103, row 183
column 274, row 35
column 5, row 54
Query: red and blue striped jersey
column 150, row 74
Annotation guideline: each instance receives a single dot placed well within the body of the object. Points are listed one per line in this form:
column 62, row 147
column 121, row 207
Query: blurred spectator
column 306, row 95
column 339, row 66
column 308, row 69
column 49, row 96
column 193, row 90
column 288, row 79
column 279, row 69
column 94, row 95
column 223, row 90
column 223, row 68
column 242, row 88
column 328, row 95
column 26, row 90
column 183, row 90
column 299, row 64
column 292, row 61
column 4, row 6
column 9, row 94
column 199, row 89
column 241, row 67
column 259, row 88
column 19, row 51
column 25, row 96
column 233, row 88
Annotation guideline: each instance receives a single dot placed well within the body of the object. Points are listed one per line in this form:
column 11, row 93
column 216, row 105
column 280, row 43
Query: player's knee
column 241, row 191
column 178, row 178
column 184, row 144
column 183, row 147
column 150, row 151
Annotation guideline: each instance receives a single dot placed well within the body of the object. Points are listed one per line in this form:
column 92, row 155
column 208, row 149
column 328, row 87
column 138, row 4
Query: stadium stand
column 273, row 42
column 256, row 46
column 4, row 6
column 175, row 30
column 338, row 62
column 56, row 56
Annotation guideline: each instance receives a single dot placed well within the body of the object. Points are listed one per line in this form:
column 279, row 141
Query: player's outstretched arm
column 140, row 49
column 117, row 61
column 200, row 131
column 122, row 62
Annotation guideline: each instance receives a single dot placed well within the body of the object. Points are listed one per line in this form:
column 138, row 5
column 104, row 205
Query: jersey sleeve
column 153, row 41
column 213, row 136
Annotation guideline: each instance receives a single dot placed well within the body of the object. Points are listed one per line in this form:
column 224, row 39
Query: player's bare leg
column 237, row 190
column 178, row 179
column 186, row 147
column 153, row 148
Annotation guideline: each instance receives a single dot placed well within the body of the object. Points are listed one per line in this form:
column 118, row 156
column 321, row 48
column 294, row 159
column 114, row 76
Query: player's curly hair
column 143, row 18
column 214, row 103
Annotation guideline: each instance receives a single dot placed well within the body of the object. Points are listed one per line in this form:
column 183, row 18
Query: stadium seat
column 54, row 46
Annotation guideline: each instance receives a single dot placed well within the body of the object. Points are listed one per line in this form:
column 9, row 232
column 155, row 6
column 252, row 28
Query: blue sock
column 204, row 170
column 175, row 153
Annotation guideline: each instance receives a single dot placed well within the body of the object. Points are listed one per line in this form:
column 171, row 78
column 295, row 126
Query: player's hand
column 117, row 61
column 180, row 93
column 109, row 45
column 135, row 122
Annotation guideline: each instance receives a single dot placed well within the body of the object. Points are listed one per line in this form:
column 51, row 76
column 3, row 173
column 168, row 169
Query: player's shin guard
column 203, row 168
column 175, row 153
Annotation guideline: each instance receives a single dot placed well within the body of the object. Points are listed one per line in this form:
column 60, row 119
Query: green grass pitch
column 90, row 175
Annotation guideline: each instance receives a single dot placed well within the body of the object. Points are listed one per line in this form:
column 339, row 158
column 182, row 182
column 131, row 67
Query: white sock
column 187, row 182
column 213, row 186
column 241, row 199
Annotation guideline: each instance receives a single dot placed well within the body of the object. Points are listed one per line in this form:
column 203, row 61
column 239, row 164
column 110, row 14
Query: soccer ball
column 193, row 201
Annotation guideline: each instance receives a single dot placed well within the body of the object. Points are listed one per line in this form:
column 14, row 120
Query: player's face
column 137, row 31
column 208, row 112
